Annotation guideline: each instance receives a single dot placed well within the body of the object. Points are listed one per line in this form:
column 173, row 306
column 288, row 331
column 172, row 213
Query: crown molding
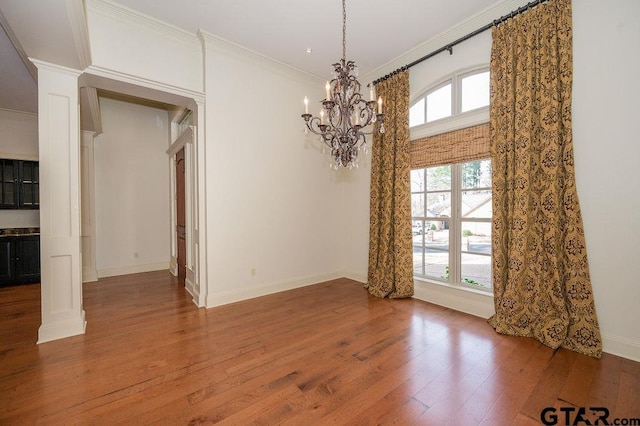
column 78, row 22
column 215, row 44
column 16, row 44
column 120, row 13
column 14, row 115
column 462, row 29
column 59, row 68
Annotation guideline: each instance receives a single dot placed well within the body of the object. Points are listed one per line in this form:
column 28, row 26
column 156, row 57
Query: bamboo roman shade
column 468, row 144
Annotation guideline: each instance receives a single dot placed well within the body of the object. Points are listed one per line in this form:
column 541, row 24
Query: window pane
column 8, row 194
column 476, row 174
column 26, row 172
column 8, row 172
column 436, row 255
column 475, row 91
column 417, row 229
column 439, row 103
column 439, row 178
column 476, row 204
column 476, row 237
column 476, row 270
column 418, row 257
column 417, row 180
column 27, row 192
column 439, row 204
column 416, row 113
column 417, row 205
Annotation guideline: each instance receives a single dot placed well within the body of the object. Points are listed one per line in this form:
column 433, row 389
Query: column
column 60, row 248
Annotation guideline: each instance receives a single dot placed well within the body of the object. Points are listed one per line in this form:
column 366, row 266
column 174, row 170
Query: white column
column 59, row 149
column 199, row 210
column 88, row 202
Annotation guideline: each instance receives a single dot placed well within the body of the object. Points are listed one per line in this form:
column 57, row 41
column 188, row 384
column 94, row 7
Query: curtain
column 390, row 240
column 542, row 287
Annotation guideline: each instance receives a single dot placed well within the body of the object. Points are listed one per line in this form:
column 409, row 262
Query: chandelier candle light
column 344, row 113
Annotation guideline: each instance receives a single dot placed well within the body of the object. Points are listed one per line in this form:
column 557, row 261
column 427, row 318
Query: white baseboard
column 621, row 346
column 226, row 297
column 89, row 275
column 356, row 276
column 49, row 332
column 133, row 269
column 193, row 289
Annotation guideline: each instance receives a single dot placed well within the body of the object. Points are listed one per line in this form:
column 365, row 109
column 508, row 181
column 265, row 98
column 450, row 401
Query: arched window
column 451, row 181
column 461, row 99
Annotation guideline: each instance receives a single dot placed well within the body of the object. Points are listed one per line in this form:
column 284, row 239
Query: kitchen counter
column 18, row 232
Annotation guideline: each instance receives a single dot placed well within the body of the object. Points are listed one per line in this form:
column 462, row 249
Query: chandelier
column 344, row 114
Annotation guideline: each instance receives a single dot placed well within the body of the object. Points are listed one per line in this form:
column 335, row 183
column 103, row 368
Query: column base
column 49, row 332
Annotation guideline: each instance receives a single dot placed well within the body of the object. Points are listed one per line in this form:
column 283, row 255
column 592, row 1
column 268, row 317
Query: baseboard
column 621, row 346
column 50, row 332
column 89, row 275
column 134, row 269
column 361, row 278
column 226, row 297
column 192, row 288
column 467, row 301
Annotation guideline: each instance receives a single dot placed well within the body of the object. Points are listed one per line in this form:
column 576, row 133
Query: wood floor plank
column 327, row 353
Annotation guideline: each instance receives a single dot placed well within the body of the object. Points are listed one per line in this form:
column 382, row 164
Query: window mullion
column 454, row 226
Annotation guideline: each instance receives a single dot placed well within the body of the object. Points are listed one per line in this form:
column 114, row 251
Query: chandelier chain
column 344, row 29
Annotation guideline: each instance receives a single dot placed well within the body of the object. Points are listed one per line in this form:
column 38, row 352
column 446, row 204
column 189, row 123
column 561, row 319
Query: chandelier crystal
column 345, row 113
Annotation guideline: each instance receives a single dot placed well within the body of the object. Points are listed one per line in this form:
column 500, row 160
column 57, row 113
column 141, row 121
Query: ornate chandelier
column 344, row 113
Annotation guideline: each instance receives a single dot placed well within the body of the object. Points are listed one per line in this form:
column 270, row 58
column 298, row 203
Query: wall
column 273, row 205
column 19, row 140
column 128, row 43
column 605, row 96
column 605, row 105
column 131, row 189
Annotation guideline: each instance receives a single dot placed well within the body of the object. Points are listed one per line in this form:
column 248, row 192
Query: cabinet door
column 27, row 259
column 29, row 184
column 7, row 273
column 9, row 183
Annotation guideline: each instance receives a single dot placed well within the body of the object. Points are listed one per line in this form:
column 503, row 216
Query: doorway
column 181, row 222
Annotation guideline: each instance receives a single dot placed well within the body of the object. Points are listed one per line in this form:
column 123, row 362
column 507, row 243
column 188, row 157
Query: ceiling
column 377, row 31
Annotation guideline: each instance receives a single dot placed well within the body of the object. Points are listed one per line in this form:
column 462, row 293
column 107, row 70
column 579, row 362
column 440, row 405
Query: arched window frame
column 457, row 119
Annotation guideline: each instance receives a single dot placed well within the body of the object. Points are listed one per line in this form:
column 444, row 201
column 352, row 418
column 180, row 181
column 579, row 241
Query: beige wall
column 131, row 189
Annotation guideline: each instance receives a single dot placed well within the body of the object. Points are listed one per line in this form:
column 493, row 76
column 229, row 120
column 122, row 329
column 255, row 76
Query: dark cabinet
column 19, row 259
column 20, row 184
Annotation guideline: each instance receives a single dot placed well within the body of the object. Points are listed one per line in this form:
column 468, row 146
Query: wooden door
column 181, row 215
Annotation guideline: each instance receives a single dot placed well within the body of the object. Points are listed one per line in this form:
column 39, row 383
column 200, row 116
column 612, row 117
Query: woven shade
column 468, row 144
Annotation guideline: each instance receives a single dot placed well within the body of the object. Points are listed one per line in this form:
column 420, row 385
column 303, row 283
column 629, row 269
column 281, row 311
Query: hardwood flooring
column 323, row 354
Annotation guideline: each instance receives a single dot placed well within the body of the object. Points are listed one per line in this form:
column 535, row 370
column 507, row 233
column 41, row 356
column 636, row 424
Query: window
column 451, row 214
column 474, row 91
column 459, row 93
column 439, row 103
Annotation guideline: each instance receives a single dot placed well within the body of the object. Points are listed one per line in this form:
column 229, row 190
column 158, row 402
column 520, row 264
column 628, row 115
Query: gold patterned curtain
column 390, row 245
column 541, row 277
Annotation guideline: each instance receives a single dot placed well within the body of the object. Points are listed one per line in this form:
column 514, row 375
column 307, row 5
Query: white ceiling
column 377, row 31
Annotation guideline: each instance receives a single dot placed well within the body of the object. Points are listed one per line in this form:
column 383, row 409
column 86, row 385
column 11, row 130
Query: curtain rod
column 449, row 47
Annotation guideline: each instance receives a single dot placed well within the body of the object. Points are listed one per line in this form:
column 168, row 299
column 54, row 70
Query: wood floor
column 324, row 354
